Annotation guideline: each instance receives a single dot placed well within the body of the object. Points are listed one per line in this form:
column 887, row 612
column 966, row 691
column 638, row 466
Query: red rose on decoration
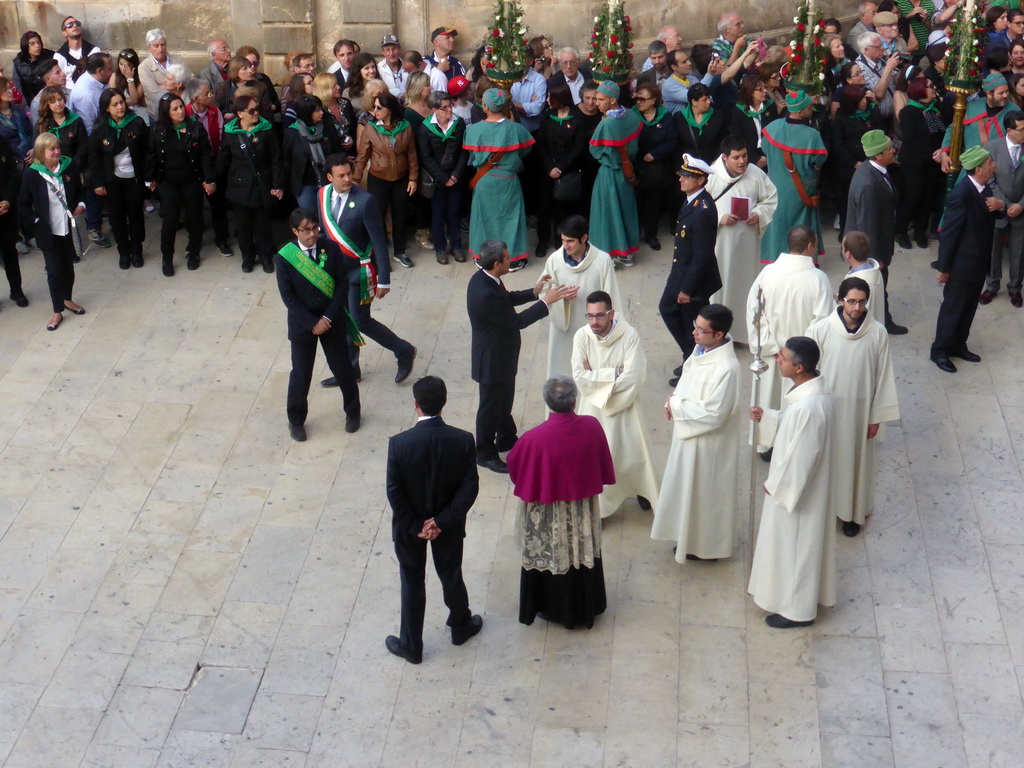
column 627, row 20
column 613, row 39
column 629, row 28
column 817, row 41
column 797, row 58
column 594, row 35
column 611, row 54
column 800, row 27
column 821, row 23
column 491, row 64
column 799, row 47
column 631, row 45
column 972, row 72
column 495, row 33
column 607, row 69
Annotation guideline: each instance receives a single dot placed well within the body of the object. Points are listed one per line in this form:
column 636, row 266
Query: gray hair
column 179, row 72
column 437, row 98
column 192, row 88
column 560, row 393
column 864, row 40
column 863, row 7
column 663, row 32
column 155, row 34
column 212, row 46
column 723, row 20
column 657, row 46
column 491, row 252
column 568, row 49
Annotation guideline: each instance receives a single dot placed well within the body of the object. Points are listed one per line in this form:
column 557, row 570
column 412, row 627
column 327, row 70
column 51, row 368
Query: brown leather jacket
column 387, row 162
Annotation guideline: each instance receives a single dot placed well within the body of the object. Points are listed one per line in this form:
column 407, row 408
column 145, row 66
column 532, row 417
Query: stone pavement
column 160, row 531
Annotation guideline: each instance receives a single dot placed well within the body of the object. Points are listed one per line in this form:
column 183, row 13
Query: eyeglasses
column 72, row 24
column 644, row 98
column 445, row 108
column 855, row 302
column 308, row 230
column 700, row 330
column 597, row 315
column 251, row 110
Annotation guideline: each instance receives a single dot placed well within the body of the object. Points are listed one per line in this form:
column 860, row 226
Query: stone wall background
column 276, row 27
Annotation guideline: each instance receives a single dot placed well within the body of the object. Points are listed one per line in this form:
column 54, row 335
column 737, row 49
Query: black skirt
column 572, row 599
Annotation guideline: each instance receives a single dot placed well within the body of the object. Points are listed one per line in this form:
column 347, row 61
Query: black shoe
column 701, row 559
column 673, row 381
column 777, row 621
column 394, row 645
column 644, row 503
column 81, row 310
column 459, row 255
column 124, row 262
column 767, row 455
column 966, row 354
column 352, row 424
column 462, row 634
column 921, row 242
column 137, row 260
column 896, row 330
column 225, row 249
column 933, row 264
column 298, row 432
column 168, row 269
column 402, row 259
column 268, row 265
column 652, row 241
column 405, row 362
column 515, row 266
column 987, row 296
column 944, row 364
column 246, row 267
column 19, row 298
column 505, row 447
column 328, row 383
column 193, row 262
column 495, row 465
column 903, row 240
column 441, row 256
column 678, row 370
column 851, row 528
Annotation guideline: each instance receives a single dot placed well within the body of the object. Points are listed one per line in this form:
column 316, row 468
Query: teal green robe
column 614, row 224
column 809, row 154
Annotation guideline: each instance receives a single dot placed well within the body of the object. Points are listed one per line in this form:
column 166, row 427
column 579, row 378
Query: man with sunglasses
column 76, row 49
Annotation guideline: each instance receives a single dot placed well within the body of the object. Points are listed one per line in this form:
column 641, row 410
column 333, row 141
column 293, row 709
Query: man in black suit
column 351, row 219
column 694, row 275
column 432, row 483
column 313, row 278
column 574, row 72
column 965, row 248
column 495, row 330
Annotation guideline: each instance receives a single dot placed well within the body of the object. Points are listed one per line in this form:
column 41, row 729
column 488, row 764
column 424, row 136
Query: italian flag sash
column 367, row 271
column 322, row 281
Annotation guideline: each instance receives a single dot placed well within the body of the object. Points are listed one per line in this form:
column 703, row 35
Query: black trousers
column 9, row 250
column 956, row 314
column 254, row 235
column 445, row 206
column 550, row 214
column 919, row 198
column 60, row 270
column 372, row 329
column 412, row 566
column 175, row 196
column 679, row 318
column 219, row 212
column 124, row 209
column 653, row 193
column 303, row 358
column 495, row 427
column 391, row 195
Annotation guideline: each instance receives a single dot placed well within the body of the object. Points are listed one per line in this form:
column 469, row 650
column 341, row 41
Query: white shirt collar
column 884, row 171
column 977, row 186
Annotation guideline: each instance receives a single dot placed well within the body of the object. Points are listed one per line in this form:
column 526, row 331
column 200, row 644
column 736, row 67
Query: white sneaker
column 22, row 247
column 835, row 223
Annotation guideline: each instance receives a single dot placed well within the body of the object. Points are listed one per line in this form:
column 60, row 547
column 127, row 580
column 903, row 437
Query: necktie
column 337, row 207
column 309, row 252
column 1015, row 155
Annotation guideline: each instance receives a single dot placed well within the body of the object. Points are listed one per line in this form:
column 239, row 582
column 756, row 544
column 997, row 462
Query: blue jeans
column 93, row 209
column 445, row 206
column 307, row 198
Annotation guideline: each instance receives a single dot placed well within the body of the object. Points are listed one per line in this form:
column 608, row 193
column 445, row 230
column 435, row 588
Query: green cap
column 973, row 157
column 875, row 143
column 797, row 100
column 495, row 99
column 992, row 81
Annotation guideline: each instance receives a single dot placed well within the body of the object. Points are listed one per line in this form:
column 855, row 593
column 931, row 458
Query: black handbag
column 569, row 187
column 426, row 184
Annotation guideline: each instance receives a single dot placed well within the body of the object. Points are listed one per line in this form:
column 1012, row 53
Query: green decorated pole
column 963, row 73
column 508, row 37
column 806, row 68
column 611, row 42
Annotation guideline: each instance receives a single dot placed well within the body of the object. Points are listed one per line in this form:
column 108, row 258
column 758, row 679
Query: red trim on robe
column 787, row 148
column 615, row 142
column 519, row 257
column 475, row 148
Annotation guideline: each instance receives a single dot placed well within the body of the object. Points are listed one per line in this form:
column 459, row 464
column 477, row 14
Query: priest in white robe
column 585, row 266
column 794, row 568
column 856, row 250
column 697, row 504
column 856, row 364
column 796, row 293
column 739, row 187
column 610, row 369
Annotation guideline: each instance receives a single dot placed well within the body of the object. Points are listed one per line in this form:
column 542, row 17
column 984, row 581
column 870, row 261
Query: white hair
column 863, row 7
column 154, row 35
column 723, row 21
column 864, row 40
column 568, row 49
column 179, row 72
column 663, row 32
column 212, row 47
column 193, row 87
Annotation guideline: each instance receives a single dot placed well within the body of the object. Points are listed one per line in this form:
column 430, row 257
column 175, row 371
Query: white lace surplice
column 559, row 536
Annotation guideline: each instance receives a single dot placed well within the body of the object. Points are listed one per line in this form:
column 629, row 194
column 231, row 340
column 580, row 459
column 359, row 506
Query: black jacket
column 659, row 139
column 495, row 327
column 965, row 246
column 694, row 266
column 847, row 149
column 298, row 158
column 918, row 144
column 104, row 144
column 706, row 142
column 443, row 157
column 74, row 140
column 561, row 144
column 305, row 302
column 25, row 74
column 8, row 181
column 251, row 165
column 746, row 129
column 431, row 473
column 184, row 158
column 34, row 200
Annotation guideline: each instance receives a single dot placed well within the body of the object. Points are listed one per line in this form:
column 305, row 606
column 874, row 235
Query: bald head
column 670, row 37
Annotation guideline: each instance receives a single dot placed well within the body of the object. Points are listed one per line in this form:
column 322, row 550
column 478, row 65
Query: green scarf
column 561, row 120
column 118, row 127
column 864, row 114
column 181, row 130
column 62, row 166
column 659, row 113
column 750, row 112
column 69, row 118
column 235, row 126
column 400, row 126
column 692, row 121
column 931, row 106
column 435, row 129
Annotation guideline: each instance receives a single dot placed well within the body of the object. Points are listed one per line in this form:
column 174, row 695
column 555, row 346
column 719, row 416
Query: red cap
column 457, row 85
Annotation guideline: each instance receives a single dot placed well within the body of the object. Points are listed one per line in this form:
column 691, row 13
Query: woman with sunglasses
column 180, row 166
column 656, row 149
column 118, row 147
column 270, row 108
column 307, row 143
column 32, row 52
column 923, row 124
column 250, row 162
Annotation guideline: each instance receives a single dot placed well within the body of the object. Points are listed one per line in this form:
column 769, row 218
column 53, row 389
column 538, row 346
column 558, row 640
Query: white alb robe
column 794, row 567
column 873, row 277
column 738, row 247
column 697, row 505
column 614, row 401
column 857, row 367
column 595, row 273
column 796, row 293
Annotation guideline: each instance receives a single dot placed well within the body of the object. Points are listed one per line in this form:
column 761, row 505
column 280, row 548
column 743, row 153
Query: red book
column 741, row 208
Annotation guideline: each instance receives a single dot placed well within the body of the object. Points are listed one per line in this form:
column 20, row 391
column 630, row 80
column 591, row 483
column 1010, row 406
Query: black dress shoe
column 652, row 241
column 495, row 465
column 394, row 645
column 851, row 528
column 702, row 559
column 673, row 381
column 247, row 267
column 193, row 261
column 327, row 383
column 19, row 298
column 298, row 432
column 966, row 354
column 137, row 260
column 459, row 255
column 894, row 329
column 921, row 242
column 678, row 370
column 225, row 249
column 987, row 296
column 462, row 634
column 1016, row 299
column 644, row 503
column 405, row 362
column 352, row 424
column 903, row 240
column 168, row 269
column 124, row 262
column 268, row 265
column 767, row 455
column 506, row 445
column 777, row 621
column 944, row 364
column 933, row 264
column 441, row 256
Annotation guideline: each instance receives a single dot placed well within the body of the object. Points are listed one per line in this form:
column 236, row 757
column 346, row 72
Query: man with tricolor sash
column 313, row 277
column 350, row 218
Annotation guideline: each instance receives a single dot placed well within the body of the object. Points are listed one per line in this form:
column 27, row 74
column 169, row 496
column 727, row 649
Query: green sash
column 322, row 281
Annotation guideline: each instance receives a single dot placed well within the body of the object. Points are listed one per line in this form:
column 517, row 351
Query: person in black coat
column 70, row 130
column 307, row 143
column 923, row 124
column 250, row 164
column 561, row 146
column 54, row 179
column 495, row 326
column 700, row 126
column 441, row 154
column 749, row 117
column 31, row 54
column 9, row 222
column 855, row 117
column 965, row 251
column 656, row 149
column 432, row 483
column 180, row 164
column 315, row 313
column 694, row 276
column 118, row 147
